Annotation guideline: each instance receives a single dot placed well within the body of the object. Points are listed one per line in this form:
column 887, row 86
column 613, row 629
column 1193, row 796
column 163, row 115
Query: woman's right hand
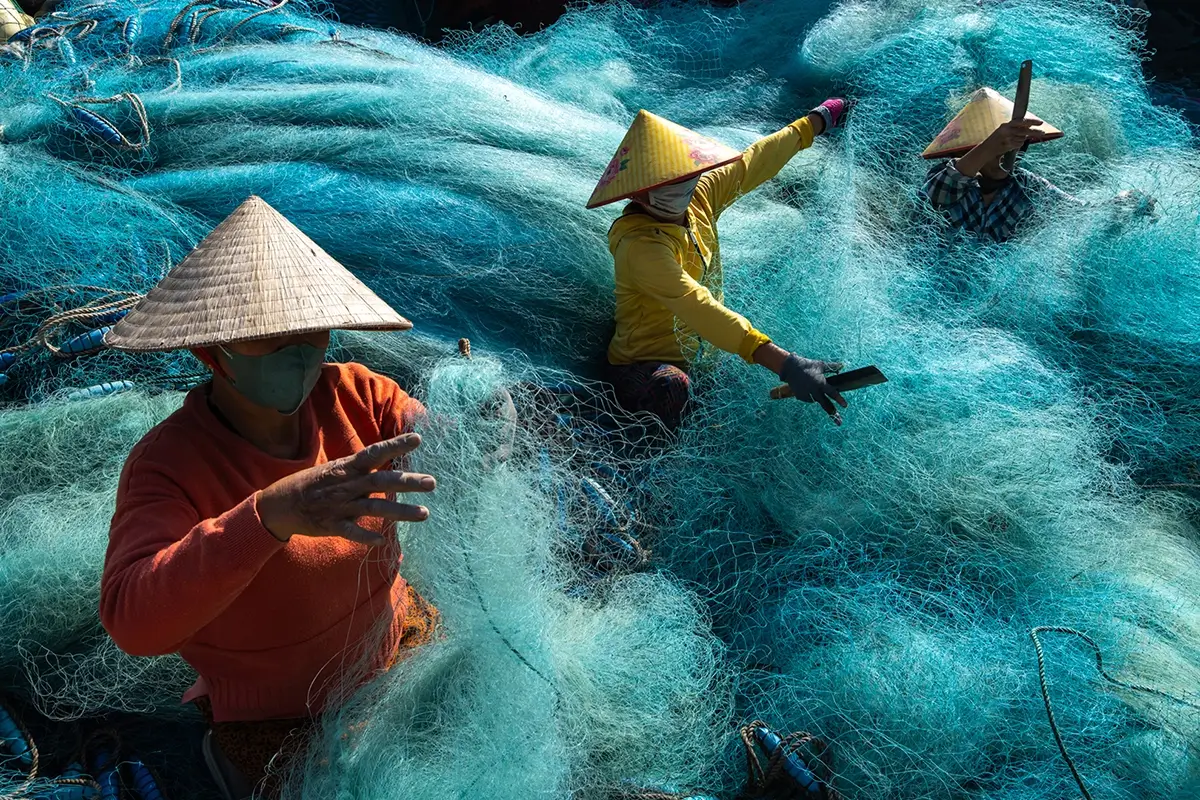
column 806, row 377
column 1011, row 136
column 327, row 500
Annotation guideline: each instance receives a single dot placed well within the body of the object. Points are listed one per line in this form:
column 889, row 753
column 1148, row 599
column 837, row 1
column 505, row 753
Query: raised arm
column 948, row 183
column 1036, row 184
column 760, row 162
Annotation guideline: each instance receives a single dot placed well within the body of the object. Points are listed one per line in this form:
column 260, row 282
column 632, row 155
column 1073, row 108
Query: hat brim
column 141, row 345
column 962, row 150
column 681, row 178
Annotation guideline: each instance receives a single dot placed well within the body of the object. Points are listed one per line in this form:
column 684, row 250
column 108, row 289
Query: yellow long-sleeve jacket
column 668, row 277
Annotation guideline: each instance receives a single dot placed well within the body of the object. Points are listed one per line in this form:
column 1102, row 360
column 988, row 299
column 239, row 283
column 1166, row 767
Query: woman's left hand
column 829, row 115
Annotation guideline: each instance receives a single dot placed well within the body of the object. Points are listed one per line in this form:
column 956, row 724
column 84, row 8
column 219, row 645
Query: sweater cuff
column 803, row 127
column 753, row 340
column 244, row 538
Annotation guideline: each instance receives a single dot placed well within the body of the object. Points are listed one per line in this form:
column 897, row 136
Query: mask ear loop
column 212, row 363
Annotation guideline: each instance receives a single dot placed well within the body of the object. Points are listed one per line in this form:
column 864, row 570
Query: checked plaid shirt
column 960, row 199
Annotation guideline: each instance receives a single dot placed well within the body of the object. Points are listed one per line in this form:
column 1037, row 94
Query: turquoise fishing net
column 1032, row 460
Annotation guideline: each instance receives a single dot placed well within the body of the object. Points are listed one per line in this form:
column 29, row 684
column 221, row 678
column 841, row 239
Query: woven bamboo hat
column 255, row 276
column 655, row 152
column 979, row 119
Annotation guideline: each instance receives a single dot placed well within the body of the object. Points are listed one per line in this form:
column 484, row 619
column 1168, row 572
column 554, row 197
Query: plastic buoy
column 100, row 390
column 86, row 342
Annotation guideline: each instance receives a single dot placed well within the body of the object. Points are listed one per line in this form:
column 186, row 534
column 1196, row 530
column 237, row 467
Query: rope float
column 15, row 740
column 88, row 342
column 101, row 390
column 786, row 774
column 99, row 315
column 144, row 783
column 131, row 31
column 105, row 311
column 73, row 784
column 104, row 768
column 101, row 126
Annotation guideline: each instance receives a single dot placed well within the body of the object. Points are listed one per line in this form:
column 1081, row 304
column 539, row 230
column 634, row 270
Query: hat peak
column 656, row 151
column 255, row 275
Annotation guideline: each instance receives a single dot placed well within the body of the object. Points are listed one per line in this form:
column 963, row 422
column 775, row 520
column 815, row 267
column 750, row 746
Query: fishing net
column 616, row 600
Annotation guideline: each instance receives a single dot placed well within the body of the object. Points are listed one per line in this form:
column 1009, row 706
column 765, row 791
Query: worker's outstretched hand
column 329, row 499
column 806, row 378
column 830, row 114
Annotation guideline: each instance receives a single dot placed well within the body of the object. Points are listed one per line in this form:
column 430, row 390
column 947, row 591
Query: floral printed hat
column 655, row 152
column 986, row 111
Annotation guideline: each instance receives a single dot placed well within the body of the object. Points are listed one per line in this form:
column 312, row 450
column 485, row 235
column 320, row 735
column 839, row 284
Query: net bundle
column 1032, row 461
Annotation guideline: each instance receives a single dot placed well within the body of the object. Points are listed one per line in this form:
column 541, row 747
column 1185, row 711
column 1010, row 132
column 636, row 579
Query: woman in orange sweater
column 252, row 532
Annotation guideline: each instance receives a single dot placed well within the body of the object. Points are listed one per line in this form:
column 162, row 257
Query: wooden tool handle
column 1021, row 101
column 1020, row 106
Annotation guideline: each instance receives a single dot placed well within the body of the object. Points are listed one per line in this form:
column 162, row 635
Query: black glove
column 806, row 378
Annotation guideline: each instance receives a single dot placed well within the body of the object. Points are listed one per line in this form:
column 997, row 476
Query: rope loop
column 104, row 309
column 1035, row 634
column 761, row 780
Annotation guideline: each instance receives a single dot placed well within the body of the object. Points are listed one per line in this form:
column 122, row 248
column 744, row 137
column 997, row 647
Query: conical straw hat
column 654, row 152
column 987, row 111
column 255, row 276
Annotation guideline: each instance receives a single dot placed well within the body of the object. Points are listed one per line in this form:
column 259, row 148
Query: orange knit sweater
column 272, row 628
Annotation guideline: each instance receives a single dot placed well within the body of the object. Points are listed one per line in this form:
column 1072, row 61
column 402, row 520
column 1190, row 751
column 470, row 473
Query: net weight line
column 1035, row 634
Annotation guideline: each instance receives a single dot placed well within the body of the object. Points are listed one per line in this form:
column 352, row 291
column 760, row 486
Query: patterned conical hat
column 986, row 112
column 654, row 152
column 255, row 276
column 12, row 19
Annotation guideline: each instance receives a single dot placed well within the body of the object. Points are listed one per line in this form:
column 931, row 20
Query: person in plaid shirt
column 977, row 195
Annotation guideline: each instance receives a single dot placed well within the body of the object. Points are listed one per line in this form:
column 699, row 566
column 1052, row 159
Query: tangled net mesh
column 1032, row 461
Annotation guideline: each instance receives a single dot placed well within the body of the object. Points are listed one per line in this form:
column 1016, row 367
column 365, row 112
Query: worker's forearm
column 970, row 164
column 771, row 356
column 154, row 597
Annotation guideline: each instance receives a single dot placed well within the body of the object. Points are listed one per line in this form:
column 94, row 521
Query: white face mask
column 672, row 200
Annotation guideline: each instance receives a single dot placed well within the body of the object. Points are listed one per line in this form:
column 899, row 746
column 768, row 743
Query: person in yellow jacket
column 668, row 262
